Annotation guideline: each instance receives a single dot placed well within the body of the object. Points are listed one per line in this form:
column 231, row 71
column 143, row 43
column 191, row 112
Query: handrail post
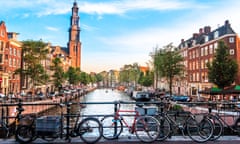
column 115, row 113
column 68, row 120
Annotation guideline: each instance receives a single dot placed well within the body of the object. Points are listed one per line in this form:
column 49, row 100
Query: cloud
column 88, row 27
column 51, row 28
column 48, row 7
column 124, row 6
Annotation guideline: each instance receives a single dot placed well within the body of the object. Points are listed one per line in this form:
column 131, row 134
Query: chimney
column 207, row 29
column 200, row 31
column 227, row 23
column 182, row 40
column 195, row 35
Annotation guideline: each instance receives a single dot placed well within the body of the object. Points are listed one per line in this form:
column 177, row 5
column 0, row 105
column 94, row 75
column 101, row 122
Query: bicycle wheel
column 147, row 128
column 90, row 130
column 199, row 130
column 24, row 134
column 217, row 127
column 5, row 131
column 165, row 128
column 237, row 126
column 112, row 127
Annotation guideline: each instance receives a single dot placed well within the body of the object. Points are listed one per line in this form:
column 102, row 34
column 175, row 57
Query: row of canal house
column 197, row 51
column 10, row 60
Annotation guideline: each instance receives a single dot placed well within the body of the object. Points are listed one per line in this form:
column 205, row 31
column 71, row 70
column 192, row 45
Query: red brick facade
column 200, row 50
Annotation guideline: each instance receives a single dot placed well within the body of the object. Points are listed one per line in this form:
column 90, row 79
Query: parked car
column 40, row 96
column 180, row 98
column 2, row 97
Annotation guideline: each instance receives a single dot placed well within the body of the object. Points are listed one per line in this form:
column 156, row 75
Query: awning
column 212, row 91
column 233, row 89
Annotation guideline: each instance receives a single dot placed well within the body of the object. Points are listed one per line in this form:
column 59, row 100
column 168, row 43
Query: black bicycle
column 9, row 129
column 51, row 127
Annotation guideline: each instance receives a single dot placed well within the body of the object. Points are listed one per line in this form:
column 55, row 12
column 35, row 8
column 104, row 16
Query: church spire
column 74, row 44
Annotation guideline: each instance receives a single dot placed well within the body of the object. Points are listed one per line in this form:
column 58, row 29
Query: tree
column 130, row 74
column 33, row 52
column 58, row 75
column 146, row 80
column 167, row 63
column 73, row 76
column 222, row 71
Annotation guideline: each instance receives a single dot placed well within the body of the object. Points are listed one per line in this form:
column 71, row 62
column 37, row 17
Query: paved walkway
column 125, row 140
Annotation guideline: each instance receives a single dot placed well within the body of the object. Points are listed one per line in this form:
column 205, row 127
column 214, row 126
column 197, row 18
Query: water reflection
column 104, row 95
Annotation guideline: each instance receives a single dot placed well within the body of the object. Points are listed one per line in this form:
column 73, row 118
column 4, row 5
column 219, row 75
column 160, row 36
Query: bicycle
column 146, row 128
column 89, row 129
column 198, row 127
column 219, row 124
column 8, row 130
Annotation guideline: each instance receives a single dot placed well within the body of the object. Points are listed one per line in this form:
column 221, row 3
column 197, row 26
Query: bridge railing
column 8, row 110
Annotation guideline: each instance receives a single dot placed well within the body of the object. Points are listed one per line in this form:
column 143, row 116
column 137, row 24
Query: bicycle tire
column 237, row 126
column 24, row 134
column 147, row 128
column 4, row 129
column 199, row 131
column 165, row 128
column 90, row 130
column 112, row 127
column 217, row 126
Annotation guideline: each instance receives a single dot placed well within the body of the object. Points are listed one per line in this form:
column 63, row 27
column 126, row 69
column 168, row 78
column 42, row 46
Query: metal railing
column 7, row 109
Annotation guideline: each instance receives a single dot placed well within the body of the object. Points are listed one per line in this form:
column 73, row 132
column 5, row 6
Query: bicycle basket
column 48, row 125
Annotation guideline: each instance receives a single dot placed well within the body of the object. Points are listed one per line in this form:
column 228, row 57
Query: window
column 14, row 62
column 14, row 51
column 10, row 61
column 231, row 52
column 202, row 51
column 206, row 50
column 231, row 39
column 205, row 65
column 10, row 51
column 206, row 38
column 194, row 42
column 1, row 58
column 216, row 34
column 1, row 45
column 211, row 49
column 2, row 33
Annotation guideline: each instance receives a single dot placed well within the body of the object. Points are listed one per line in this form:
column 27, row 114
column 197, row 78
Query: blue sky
column 117, row 32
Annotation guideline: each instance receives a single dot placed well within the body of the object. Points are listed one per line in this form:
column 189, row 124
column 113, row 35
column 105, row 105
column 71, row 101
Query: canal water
column 108, row 95
column 105, row 95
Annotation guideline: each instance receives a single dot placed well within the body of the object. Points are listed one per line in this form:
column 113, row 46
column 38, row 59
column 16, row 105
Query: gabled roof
column 199, row 38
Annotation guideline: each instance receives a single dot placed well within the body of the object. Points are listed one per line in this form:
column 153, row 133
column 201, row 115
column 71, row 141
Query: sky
column 117, row 32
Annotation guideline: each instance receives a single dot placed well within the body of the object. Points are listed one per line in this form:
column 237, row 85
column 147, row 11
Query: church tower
column 74, row 44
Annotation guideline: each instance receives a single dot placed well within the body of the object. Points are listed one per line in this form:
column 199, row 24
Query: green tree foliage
column 223, row 70
column 33, row 53
column 167, row 63
column 146, row 80
column 58, row 75
column 84, row 78
column 130, row 74
column 73, row 76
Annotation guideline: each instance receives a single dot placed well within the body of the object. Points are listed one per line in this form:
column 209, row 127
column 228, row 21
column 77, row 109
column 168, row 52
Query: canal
column 104, row 95
column 108, row 95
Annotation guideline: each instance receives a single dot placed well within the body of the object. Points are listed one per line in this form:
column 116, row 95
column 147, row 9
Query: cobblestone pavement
column 125, row 140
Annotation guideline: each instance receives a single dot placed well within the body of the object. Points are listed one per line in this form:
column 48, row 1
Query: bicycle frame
column 131, row 128
column 180, row 126
column 226, row 124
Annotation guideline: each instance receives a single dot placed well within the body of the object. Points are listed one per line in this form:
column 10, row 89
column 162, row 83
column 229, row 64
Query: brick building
column 199, row 50
column 10, row 59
